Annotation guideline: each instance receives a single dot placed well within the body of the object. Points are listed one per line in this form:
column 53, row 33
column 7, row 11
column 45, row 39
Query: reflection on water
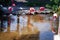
column 13, row 25
column 43, row 27
column 0, row 23
column 5, row 26
column 23, row 22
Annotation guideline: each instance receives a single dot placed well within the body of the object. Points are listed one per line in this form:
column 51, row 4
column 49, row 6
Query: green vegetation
column 5, row 2
column 53, row 4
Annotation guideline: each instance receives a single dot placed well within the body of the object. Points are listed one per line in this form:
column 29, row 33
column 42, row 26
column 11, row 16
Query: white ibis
column 54, row 19
column 13, row 4
column 10, row 9
column 32, row 10
column 54, row 16
column 41, row 8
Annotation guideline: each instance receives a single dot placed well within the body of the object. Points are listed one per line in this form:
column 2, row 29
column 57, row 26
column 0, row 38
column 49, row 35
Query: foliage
column 47, row 3
column 48, row 6
column 56, row 1
column 55, row 7
column 58, row 10
column 54, row 4
column 5, row 2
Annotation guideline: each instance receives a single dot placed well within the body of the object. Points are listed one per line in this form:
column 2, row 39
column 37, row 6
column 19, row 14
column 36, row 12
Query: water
column 43, row 27
column 45, row 30
column 47, row 35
